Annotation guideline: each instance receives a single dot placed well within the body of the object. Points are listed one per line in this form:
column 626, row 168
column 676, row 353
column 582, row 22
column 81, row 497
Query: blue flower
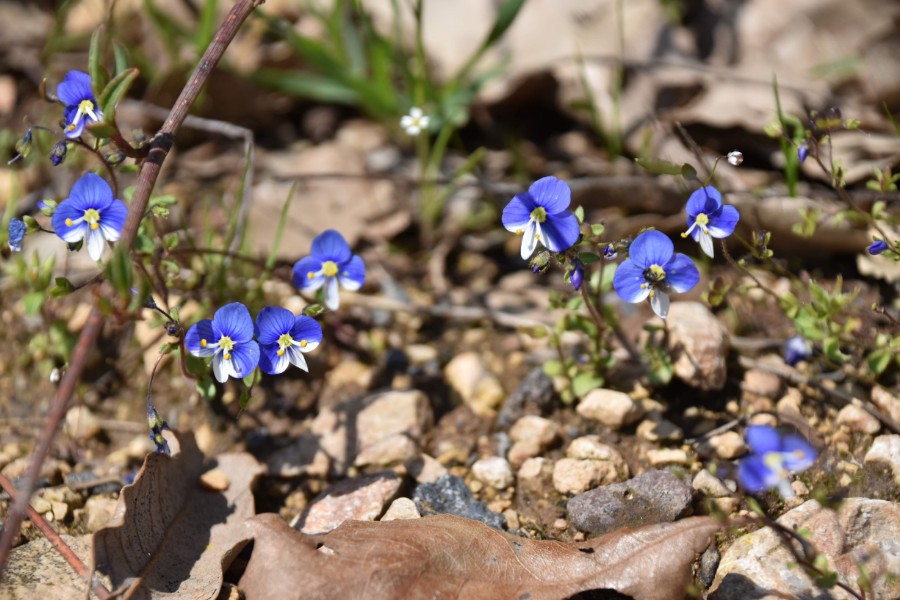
column 331, row 262
column 90, row 213
column 708, row 218
column 877, row 247
column 653, row 269
column 774, row 457
column 540, row 215
column 576, row 277
column 796, row 349
column 228, row 338
column 610, row 252
column 802, row 151
column 283, row 338
column 81, row 107
column 16, row 230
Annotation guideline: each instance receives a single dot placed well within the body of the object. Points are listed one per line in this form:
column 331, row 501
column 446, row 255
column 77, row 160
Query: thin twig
column 159, row 148
column 61, row 546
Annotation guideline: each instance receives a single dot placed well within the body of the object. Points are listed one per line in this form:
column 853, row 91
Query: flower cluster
column 281, row 339
column 775, row 456
column 331, row 263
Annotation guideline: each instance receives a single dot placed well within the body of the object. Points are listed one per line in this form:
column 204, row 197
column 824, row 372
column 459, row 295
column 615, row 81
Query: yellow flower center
column 226, row 344
column 92, row 216
column 702, row 220
column 203, row 343
column 539, row 214
column 654, row 275
column 284, row 341
column 330, row 268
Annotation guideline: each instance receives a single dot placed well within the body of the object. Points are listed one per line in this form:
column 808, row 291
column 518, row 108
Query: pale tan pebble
column 512, row 519
column 732, row 408
column 799, row 488
column 578, row 537
column 857, row 419
column 560, row 524
column 215, row 479
column 41, row 505
column 531, row 468
column 763, row 419
column 401, row 509
column 60, row 510
column 790, row 402
column 668, row 456
column 520, row 452
column 499, row 505
column 709, row 484
column 728, row 445
column 727, row 505
column 476, row 486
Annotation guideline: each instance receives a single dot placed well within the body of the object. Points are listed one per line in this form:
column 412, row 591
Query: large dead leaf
column 449, row 557
column 171, row 537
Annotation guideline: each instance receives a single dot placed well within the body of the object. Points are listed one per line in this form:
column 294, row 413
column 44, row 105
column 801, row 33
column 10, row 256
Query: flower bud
column 735, row 158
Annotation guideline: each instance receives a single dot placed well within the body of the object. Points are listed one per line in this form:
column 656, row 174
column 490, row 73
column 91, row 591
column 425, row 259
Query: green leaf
column 659, row 167
column 206, row 387
column 585, row 382
column 114, row 92
column 597, row 229
column 588, row 258
column 307, row 85
column 553, row 368
column 62, row 288
column 99, row 76
column 313, row 310
column 120, row 271
column 832, row 349
column 879, row 360
column 579, row 213
column 32, row 301
column 688, row 172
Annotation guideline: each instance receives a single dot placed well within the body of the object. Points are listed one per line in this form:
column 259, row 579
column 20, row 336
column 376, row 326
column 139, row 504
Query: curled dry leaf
column 172, row 537
column 450, row 557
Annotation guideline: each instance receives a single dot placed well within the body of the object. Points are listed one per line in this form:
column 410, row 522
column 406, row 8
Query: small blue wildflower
column 540, row 215
column 774, row 457
column 576, row 277
column 796, row 349
column 16, row 230
column 610, row 252
column 80, row 105
column 653, row 269
column 283, row 338
column 708, row 218
column 802, row 151
column 877, row 247
column 331, row 263
column 228, row 338
column 90, row 213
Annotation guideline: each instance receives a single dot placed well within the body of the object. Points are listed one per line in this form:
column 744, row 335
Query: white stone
column 857, row 419
column 401, row 508
column 478, row 387
column 886, row 449
column 698, row 343
column 534, row 428
column 610, row 407
column 493, row 471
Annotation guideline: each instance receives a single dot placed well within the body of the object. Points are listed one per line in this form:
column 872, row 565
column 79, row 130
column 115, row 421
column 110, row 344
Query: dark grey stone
column 449, row 495
column 536, row 390
column 652, row 497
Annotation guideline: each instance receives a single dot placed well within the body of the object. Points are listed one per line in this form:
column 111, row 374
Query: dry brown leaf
column 450, row 557
column 171, row 537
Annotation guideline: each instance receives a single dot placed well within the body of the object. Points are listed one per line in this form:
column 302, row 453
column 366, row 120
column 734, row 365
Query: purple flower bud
column 576, row 277
column 802, row 151
column 58, row 153
column 609, row 252
column 17, row 230
column 877, row 247
column 796, row 349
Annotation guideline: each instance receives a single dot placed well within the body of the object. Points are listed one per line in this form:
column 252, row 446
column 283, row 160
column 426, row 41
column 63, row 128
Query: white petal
column 219, row 368
column 76, row 234
column 297, row 358
column 529, row 239
column 332, row 299
column 659, row 302
column 785, row 490
column 110, row 233
column 706, row 243
column 406, row 121
column 95, row 244
column 281, row 363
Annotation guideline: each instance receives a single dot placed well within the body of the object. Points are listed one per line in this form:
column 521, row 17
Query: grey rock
column 450, row 496
column 758, row 566
column 709, row 563
column 536, row 390
column 652, row 497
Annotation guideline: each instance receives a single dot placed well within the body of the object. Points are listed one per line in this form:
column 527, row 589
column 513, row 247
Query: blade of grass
column 279, row 231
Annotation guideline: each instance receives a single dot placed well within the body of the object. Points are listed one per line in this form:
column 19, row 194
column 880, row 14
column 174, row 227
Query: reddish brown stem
column 54, row 538
column 158, row 150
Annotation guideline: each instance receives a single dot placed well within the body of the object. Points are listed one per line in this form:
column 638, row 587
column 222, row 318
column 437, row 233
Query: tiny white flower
column 735, row 158
column 415, row 122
